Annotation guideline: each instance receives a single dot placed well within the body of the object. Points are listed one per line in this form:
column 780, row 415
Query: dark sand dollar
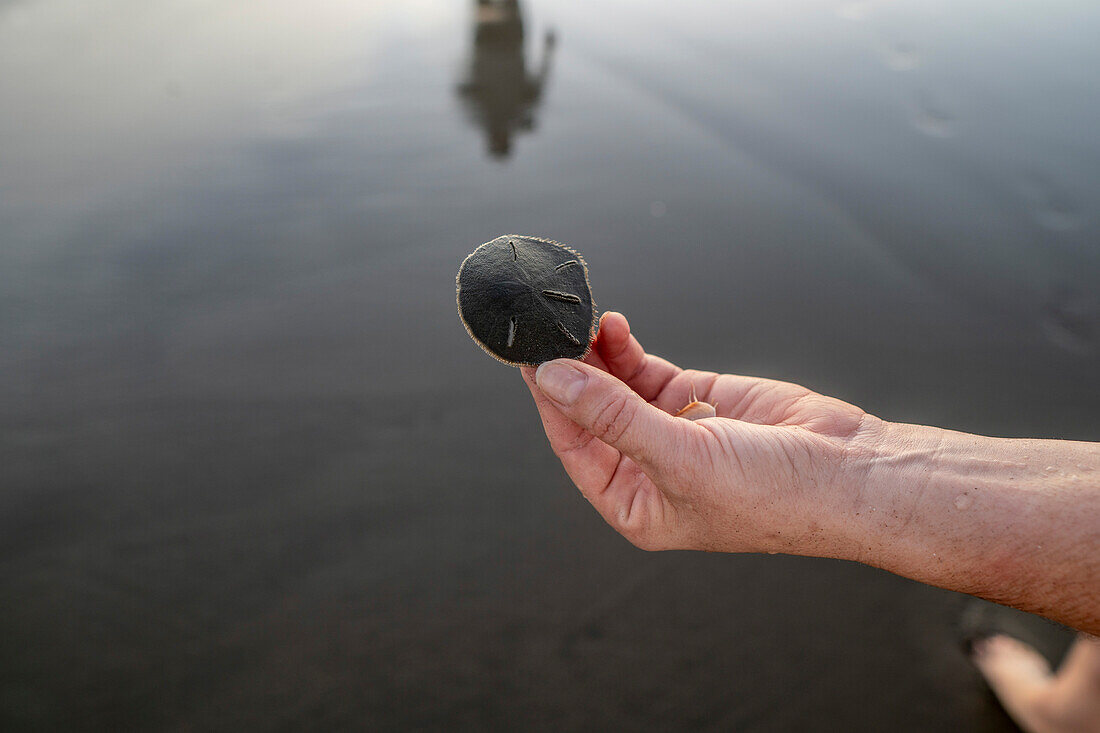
column 527, row 300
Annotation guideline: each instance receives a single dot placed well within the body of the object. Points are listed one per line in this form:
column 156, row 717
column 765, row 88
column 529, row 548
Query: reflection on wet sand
column 498, row 93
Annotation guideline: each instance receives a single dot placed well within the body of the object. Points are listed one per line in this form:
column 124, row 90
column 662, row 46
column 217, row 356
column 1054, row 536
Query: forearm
column 1013, row 521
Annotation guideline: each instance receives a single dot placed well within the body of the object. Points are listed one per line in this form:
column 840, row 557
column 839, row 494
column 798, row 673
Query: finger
column 606, row 478
column 626, row 359
column 590, row 463
column 594, row 358
column 610, row 410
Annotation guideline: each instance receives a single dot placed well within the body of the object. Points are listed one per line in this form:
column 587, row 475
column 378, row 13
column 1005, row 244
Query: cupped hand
column 775, row 471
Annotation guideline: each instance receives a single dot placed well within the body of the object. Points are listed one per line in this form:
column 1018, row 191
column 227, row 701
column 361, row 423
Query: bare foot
column 1038, row 700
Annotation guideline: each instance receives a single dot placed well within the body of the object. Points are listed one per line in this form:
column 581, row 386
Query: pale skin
column 781, row 469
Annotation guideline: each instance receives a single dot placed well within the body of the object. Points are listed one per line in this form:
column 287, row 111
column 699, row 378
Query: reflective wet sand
column 254, row 474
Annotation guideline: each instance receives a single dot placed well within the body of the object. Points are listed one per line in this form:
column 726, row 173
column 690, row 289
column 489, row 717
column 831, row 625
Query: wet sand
column 254, row 474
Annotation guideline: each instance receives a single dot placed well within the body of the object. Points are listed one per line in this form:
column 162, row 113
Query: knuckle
column 632, row 530
column 636, row 525
column 614, row 419
column 576, row 443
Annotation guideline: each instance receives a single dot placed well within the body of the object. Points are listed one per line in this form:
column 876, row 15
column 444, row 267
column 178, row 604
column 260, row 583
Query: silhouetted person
column 499, row 93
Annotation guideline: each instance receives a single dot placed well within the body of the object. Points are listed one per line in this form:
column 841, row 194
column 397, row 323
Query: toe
column 1020, row 677
column 1004, row 658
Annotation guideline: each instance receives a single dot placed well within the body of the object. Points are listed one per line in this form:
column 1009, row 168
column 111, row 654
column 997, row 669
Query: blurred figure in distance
column 498, row 93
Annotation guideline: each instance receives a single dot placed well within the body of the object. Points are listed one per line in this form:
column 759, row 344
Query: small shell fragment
column 696, row 410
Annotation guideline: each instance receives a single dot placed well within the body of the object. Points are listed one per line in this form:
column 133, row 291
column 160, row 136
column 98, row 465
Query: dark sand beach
column 254, row 475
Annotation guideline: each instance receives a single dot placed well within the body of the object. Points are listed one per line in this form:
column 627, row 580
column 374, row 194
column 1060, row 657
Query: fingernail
column 560, row 382
column 979, row 646
column 971, row 643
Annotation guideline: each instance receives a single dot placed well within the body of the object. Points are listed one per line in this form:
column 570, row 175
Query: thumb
column 608, row 409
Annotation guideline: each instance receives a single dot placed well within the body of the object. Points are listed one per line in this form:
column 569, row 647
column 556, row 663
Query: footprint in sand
column 1071, row 320
column 1052, row 206
column 930, row 117
column 899, row 56
column 855, row 10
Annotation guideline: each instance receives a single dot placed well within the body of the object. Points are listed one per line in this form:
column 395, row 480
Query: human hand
column 782, row 469
column 777, row 470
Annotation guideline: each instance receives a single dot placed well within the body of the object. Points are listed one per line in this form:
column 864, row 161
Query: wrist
column 1014, row 521
column 890, row 466
column 945, row 508
column 844, row 522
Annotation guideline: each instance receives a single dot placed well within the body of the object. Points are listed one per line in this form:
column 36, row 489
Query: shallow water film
column 254, row 475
